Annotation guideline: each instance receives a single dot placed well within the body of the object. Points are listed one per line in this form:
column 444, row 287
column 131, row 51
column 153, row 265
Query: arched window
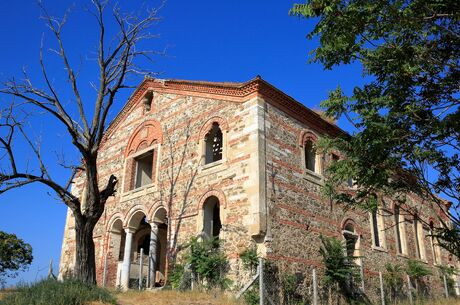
column 213, row 144
column 400, row 230
column 310, row 156
column 378, row 228
column 351, row 239
column 211, row 217
column 419, row 238
column 434, row 245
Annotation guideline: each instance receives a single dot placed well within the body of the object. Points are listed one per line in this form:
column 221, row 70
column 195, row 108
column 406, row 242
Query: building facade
column 237, row 161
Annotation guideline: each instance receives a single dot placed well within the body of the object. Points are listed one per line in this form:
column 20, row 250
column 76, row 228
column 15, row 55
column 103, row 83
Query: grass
column 172, row 297
column 435, row 302
column 52, row 292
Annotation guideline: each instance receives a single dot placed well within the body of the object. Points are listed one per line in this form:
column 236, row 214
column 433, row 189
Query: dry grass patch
column 171, row 297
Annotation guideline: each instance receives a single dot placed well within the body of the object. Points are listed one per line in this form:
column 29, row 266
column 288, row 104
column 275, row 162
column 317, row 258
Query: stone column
column 127, row 259
column 153, row 253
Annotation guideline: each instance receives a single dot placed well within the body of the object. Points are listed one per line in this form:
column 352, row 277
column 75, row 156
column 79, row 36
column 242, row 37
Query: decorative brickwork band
column 217, row 193
column 144, row 136
column 208, row 125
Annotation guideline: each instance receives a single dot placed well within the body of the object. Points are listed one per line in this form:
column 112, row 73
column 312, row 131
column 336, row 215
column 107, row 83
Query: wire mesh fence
column 275, row 286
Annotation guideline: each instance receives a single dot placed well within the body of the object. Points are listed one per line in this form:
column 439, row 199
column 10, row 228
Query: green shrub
column 175, row 276
column 250, row 259
column 251, row 296
column 52, row 292
column 209, row 263
column 394, row 281
column 416, row 269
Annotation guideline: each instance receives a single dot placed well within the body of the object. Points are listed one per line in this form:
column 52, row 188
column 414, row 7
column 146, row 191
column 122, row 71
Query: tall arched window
column 434, row 245
column 310, row 156
column 400, row 230
column 419, row 238
column 378, row 228
column 213, row 144
column 211, row 217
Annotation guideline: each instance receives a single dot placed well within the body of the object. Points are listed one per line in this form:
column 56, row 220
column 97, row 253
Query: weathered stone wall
column 298, row 215
column 233, row 180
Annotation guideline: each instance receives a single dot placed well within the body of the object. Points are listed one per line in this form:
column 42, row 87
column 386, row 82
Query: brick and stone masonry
column 256, row 192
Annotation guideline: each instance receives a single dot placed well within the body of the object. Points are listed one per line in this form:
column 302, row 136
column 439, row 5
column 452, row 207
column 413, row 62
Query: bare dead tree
column 116, row 59
column 182, row 170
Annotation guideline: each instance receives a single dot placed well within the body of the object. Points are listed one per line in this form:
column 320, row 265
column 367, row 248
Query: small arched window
column 310, row 156
column 351, row 239
column 213, row 144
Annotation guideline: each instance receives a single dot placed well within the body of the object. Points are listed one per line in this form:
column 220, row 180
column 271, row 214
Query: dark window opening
column 398, row 230
column 211, row 223
column 417, row 241
column 375, row 227
column 213, row 142
column 310, row 156
column 144, row 166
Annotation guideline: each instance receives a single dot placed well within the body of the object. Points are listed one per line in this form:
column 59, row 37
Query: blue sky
column 205, row 40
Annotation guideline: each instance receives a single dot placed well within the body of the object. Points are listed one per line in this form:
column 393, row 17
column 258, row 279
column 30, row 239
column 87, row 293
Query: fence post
column 382, row 293
column 446, row 289
column 315, row 288
column 261, row 281
column 140, row 268
column 409, row 290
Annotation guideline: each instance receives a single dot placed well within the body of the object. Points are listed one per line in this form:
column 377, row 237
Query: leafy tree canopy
column 15, row 255
column 406, row 115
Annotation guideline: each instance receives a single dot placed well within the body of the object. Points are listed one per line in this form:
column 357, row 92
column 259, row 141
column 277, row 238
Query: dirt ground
column 175, row 298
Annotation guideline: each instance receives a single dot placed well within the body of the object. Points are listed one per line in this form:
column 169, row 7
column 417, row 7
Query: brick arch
column 207, row 126
column 114, row 217
column 213, row 192
column 146, row 134
column 154, row 208
column 306, row 135
column 349, row 220
column 136, row 208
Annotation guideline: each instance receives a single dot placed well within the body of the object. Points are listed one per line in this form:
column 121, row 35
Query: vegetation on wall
column 249, row 258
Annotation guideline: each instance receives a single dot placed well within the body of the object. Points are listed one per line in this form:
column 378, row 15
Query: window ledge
column 380, row 249
column 212, row 164
column 313, row 177
column 137, row 192
column 403, row 255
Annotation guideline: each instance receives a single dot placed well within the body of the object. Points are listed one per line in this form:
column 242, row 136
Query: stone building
column 237, row 161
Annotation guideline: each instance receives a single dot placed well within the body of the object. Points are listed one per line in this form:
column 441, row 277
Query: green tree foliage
column 15, row 255
column 407, row 113
column 340, row 269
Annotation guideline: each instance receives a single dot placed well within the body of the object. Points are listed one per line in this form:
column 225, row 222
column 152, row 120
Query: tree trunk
column 85, row 264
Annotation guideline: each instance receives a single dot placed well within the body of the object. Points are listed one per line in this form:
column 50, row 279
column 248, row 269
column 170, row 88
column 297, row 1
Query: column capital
column 130, row 230
column 154, row 223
